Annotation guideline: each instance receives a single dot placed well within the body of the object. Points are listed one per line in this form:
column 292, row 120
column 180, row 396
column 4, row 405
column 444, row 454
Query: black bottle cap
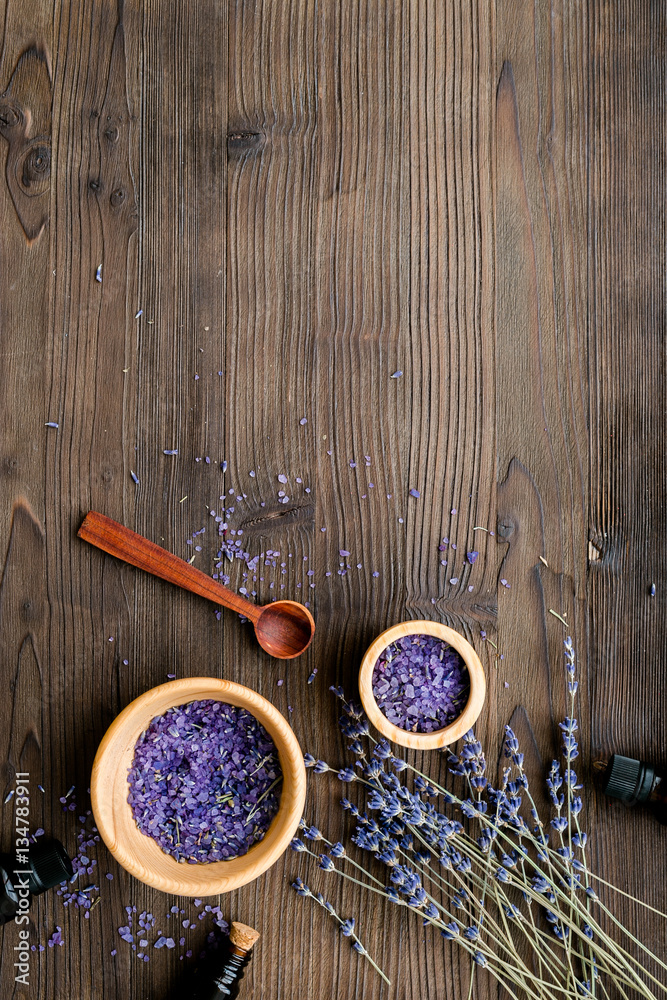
column 628, row 779
column 50, row 866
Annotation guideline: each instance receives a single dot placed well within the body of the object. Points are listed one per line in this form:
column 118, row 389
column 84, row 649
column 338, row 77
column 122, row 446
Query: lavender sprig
column 347, row 927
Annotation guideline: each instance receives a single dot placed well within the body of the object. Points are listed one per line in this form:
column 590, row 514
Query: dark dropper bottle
column 223, row 982
column 636, row 783
column 48, row 865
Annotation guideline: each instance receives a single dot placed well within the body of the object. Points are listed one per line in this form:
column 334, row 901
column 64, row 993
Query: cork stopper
column 242, row 936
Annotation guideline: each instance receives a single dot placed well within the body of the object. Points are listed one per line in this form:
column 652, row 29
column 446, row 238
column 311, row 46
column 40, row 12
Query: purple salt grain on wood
column 420, row 683
column 222, row 770
column 472, row 557
column 415, row 493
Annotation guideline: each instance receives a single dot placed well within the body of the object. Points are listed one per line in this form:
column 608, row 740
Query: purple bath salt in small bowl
column 205, row 781
column 420, row 683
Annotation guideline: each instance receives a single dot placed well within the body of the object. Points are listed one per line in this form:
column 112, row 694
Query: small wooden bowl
column 460, row 725
column 138, row 853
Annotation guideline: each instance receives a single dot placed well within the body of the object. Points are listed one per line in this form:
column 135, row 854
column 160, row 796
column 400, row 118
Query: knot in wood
column 505, row 528
column 243, row 141
column 117, row 197
column 36, row 168
column 111, row 133
column 28, row 610
column 10, row 115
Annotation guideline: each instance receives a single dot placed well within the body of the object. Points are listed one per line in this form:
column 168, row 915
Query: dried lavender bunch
column 497, row 881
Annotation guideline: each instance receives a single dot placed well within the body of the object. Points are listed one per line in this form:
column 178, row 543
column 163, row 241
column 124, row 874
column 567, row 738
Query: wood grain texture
column 290, row 202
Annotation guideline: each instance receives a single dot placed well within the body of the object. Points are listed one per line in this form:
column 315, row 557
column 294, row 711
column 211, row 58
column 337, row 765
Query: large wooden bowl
column 461, row 724
column 138, row 853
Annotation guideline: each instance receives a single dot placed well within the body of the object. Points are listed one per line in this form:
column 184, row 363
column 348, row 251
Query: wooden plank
column 626, row 322
column 542, row 419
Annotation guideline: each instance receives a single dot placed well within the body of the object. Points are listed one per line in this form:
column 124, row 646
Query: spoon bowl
column 284, row 629
column 284, row 626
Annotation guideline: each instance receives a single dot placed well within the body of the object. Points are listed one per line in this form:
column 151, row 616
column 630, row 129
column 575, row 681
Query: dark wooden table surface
column 299, row 199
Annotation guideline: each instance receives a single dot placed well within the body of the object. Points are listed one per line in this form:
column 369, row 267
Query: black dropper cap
column 628, row 779
column 50, row 865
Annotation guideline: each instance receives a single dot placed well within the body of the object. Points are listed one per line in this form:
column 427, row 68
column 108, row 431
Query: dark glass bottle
column 48, row 865
column 636, row 783
column 223, row 981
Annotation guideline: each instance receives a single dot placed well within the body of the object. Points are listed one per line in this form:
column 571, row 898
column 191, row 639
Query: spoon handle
column 124, row 544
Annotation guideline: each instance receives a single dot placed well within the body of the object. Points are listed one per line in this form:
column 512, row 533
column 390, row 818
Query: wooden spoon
column 284, row 629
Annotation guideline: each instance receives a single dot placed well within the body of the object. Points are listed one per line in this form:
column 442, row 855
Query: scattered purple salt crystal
column 396, row 374
column 136, row 316
column 252, row 473
column 312, row 676
column 98, row 274
column 505, row 584
column 222, row 768
column 415, row 493
column 282, row 478
column 652, row 590
column 303, row 421
column 454, row 579
column 223, row 467
column 56, row 938
column 343, row 552
column 453, row 510
column 51, row 423
column 472, row 557
column 135, row 478
column 420, row 683
column 375, row 573
column 170, row 451
column 110, row 876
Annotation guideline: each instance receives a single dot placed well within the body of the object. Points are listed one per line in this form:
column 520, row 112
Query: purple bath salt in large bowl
column 422, row 684
column 198, row 786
